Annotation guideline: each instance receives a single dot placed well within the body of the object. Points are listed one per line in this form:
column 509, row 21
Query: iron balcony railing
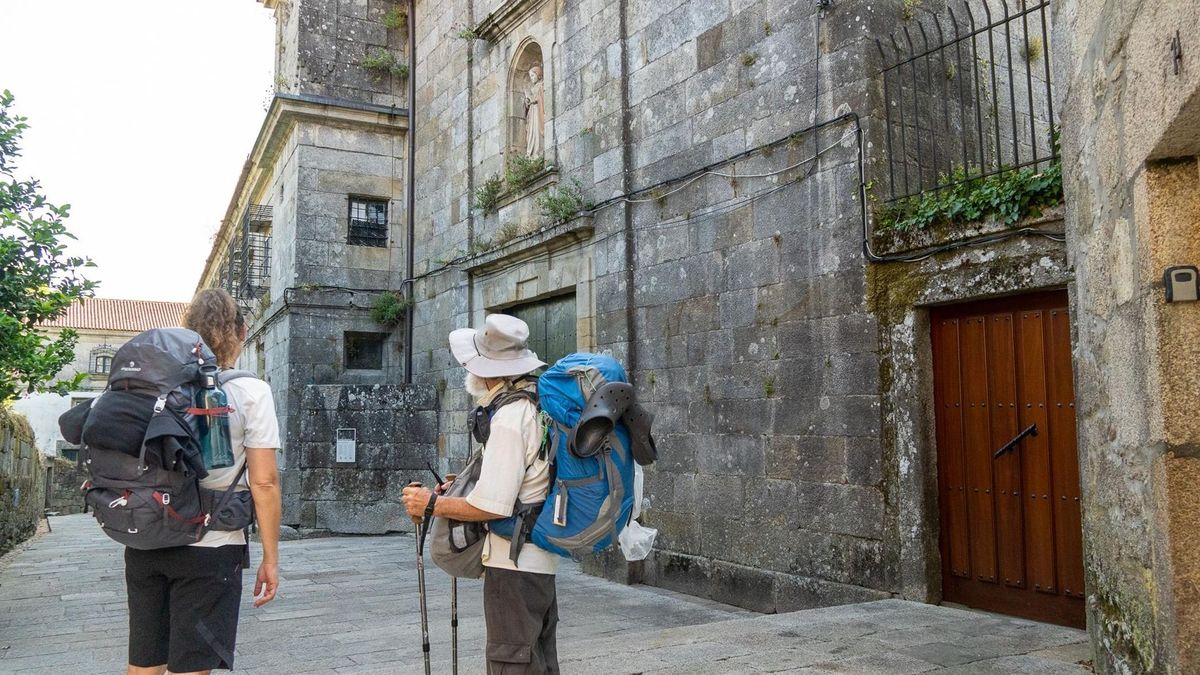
column 967, row 96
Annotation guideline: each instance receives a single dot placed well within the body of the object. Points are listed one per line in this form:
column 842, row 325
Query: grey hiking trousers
column 521, row 611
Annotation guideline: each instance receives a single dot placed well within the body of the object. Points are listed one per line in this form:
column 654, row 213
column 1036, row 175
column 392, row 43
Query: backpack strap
column 232, row 374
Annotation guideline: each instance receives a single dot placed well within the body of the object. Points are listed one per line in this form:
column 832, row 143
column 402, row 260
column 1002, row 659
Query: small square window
column 364, row 351
column 368, row 222
column 103, row 365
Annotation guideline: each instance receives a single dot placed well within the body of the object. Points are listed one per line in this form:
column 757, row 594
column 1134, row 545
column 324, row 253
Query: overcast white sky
column 141, row 114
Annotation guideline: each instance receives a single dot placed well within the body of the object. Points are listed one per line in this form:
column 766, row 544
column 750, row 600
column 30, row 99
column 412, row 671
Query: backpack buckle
column 160, row 403
column 132, row 530
column 207, row 519
column 166, row 499
column 119, row 501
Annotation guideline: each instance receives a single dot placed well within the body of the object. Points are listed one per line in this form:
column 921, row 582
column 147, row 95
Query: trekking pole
column 453, row 609
column 420, row 537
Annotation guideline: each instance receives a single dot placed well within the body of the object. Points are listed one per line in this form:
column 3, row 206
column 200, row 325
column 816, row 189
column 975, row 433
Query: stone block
column 360, row 518
column 742, row 586
column 731, row 455
column 842, row 509
column 796, row 593
column 820, row 459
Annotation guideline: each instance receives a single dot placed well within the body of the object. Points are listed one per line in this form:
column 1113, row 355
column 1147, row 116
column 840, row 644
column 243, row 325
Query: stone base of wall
column 396, row 429
column 755, row 589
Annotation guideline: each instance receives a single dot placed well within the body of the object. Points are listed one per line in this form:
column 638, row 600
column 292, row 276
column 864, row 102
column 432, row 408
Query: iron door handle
column 1031, row 430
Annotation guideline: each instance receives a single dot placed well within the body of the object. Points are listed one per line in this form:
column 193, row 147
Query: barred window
column 368, row 222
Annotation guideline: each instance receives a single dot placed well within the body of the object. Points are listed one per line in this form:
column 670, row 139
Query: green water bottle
column 215, row 446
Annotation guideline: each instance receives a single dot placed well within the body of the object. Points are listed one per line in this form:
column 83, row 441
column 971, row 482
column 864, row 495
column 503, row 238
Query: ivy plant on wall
column 1006, row 197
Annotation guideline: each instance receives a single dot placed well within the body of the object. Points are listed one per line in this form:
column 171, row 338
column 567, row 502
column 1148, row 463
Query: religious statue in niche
column 535, row 113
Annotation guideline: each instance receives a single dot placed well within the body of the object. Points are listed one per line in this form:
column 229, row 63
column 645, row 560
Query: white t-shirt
column 512, row 470
column 252, row 424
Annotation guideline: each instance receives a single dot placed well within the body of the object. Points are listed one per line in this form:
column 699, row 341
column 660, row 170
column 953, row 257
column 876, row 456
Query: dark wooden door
column 552, row 323
column 1011, row 535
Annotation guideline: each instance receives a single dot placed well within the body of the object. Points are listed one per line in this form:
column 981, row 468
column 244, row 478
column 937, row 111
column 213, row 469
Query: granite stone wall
column 738, row 301
column 395, row 427
column 22, row 481
column 1131, row 136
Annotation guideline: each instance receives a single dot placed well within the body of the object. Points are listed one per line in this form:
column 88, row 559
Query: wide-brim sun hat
column 499, row 349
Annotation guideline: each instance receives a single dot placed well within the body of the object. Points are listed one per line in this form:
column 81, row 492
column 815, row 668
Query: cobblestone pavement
column 349, row 605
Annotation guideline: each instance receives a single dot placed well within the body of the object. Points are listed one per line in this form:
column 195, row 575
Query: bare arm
column 268, row 508
column 454, row 508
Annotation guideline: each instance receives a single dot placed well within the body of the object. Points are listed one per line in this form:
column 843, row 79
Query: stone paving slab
column 349, row 605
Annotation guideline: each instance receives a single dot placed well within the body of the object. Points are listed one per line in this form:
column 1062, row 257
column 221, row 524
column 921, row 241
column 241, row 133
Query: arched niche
column 527, row 102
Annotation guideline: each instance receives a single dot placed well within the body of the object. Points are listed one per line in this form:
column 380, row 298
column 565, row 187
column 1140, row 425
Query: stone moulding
column 888, row 242
column 547, row 240
column 505, row 18
column 540, row 182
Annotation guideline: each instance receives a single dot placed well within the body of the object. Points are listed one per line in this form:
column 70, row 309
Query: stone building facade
column 697, row 188
column 313, row 236
column 1131, row 116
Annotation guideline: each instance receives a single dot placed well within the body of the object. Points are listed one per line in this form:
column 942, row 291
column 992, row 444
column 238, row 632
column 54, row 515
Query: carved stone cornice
column 505, row 18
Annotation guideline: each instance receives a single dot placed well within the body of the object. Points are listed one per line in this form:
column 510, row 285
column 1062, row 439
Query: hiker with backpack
column 180, row 454
column 556, row 477
column 519, row 598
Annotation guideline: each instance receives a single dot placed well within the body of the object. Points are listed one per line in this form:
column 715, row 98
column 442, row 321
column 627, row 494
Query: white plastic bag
column 636, row 540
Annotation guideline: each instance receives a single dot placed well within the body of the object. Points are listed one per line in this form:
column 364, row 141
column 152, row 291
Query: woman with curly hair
column 183, row 602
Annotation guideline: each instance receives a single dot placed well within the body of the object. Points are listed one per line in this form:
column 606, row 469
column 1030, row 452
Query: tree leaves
column 38, row 280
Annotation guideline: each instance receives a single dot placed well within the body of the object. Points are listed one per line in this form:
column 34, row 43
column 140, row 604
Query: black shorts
column 183, row 606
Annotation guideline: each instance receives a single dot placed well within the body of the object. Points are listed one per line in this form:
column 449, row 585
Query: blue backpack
column 591, row 496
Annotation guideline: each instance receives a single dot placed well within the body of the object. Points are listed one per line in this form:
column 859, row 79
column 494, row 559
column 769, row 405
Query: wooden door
column 551, row 326
column 1011, row 535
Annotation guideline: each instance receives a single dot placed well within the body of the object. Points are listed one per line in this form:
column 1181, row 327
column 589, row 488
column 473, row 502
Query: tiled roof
column 134, row 316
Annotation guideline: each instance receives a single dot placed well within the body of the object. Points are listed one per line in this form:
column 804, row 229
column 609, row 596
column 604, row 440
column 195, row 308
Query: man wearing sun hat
column 519, row 598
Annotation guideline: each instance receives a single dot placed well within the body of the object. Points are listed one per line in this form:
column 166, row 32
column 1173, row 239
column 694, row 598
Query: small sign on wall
column 347, row 443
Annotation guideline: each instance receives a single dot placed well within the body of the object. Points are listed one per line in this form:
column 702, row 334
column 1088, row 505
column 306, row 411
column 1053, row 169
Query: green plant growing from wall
column 507, row 233
column 749, row 59
column 382, row 61
column 1033, row 50
column 769, row 387
column 389, row 308
column 565, row 203
column 909, row 9
column 521, row 170
column 1008, row 197
column 487, row 196
column 467, row 34
column 396, row 18
column 766, row 28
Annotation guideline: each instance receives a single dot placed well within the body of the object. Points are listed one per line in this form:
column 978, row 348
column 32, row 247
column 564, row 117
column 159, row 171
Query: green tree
column 38, row 280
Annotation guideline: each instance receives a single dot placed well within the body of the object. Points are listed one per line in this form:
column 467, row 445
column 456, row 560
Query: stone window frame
column 102, row 354
column 370, row 229
column 354, row 341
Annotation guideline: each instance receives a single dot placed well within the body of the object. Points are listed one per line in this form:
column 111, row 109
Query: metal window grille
column 368, row 222
column 968, row 95
column 246, row 270
column 363, row 351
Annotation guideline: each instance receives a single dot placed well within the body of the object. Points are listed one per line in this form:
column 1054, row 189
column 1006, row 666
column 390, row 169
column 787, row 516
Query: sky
column 141, row 115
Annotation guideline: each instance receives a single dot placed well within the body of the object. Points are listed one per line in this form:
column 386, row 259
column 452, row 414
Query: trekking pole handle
column 416, row 519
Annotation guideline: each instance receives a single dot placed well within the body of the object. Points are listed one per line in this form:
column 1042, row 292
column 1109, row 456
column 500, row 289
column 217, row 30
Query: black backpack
column 140, row 446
